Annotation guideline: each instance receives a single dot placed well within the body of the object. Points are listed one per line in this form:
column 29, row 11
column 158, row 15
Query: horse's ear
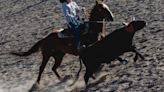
column 96, row 2
column 102, row 0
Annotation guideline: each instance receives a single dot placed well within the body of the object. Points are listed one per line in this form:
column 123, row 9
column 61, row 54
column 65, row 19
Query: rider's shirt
column 70, row 11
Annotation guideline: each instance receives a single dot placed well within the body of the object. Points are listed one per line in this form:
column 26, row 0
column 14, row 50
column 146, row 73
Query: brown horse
column 56, row 47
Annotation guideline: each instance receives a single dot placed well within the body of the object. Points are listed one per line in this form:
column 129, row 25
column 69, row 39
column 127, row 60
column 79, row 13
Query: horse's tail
column 32, row 50
column 78, row 72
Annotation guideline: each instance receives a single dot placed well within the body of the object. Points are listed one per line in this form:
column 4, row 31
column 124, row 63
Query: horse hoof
column 93, row 77
column 37, row 82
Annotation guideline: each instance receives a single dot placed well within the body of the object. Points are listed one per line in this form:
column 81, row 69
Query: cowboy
column 70, row 11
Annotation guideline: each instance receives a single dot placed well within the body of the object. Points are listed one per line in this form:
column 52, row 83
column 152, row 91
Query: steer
column 109, row 48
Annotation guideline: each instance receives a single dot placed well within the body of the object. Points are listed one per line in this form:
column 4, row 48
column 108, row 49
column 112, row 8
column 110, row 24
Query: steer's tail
column 78, row 72
column 32, row 50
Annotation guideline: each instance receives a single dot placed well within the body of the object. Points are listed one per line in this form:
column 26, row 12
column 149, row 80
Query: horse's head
column 135, row 26
column 101, row 11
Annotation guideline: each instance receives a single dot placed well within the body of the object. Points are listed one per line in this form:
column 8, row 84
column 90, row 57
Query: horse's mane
column 91, row 11
column 88, row 16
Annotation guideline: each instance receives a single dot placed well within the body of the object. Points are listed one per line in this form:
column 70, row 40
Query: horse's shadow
column 36, row 86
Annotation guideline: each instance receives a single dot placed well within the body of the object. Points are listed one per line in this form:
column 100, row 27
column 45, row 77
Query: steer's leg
column 137, row 54
column 141, row 56
column 90, row 69
column 135, row 58
column 86, row 76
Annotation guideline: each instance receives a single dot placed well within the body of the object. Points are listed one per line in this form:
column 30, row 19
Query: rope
column 112, row 23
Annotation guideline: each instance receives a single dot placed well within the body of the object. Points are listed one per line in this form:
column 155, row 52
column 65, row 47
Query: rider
column 70, row 10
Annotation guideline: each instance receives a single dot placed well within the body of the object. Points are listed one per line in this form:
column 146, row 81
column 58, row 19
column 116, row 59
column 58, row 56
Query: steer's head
column 135, row 26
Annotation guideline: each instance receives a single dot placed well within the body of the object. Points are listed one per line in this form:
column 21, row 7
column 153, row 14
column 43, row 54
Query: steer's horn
column 133, row 18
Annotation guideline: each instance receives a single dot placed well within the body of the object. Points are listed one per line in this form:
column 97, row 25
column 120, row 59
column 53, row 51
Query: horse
column 109, row 48
column 54, row 46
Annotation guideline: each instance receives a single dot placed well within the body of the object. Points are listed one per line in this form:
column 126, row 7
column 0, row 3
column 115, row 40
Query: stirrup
column 80, row 47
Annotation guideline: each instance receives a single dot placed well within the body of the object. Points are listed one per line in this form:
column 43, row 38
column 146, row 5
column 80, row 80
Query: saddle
column 66, row 33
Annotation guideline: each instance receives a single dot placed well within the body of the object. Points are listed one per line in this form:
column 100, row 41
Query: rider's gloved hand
column 83, row 9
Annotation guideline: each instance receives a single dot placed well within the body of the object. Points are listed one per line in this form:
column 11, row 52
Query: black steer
column 109, row 48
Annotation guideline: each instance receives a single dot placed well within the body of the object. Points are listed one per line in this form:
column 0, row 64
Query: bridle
column 99, row 19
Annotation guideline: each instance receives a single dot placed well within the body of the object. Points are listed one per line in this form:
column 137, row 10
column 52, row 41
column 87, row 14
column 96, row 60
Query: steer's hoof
column 124, row 62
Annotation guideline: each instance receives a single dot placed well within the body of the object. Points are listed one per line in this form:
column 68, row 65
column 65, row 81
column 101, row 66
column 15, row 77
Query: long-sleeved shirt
column 70, row 11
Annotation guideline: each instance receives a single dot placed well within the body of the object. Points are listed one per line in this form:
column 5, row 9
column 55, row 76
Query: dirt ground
column 24, row 22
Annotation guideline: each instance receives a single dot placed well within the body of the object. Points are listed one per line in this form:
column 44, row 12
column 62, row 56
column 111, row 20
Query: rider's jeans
column 76, row 31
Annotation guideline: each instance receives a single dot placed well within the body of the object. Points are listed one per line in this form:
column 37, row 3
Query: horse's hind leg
column 44, row 62
column 58, row 56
